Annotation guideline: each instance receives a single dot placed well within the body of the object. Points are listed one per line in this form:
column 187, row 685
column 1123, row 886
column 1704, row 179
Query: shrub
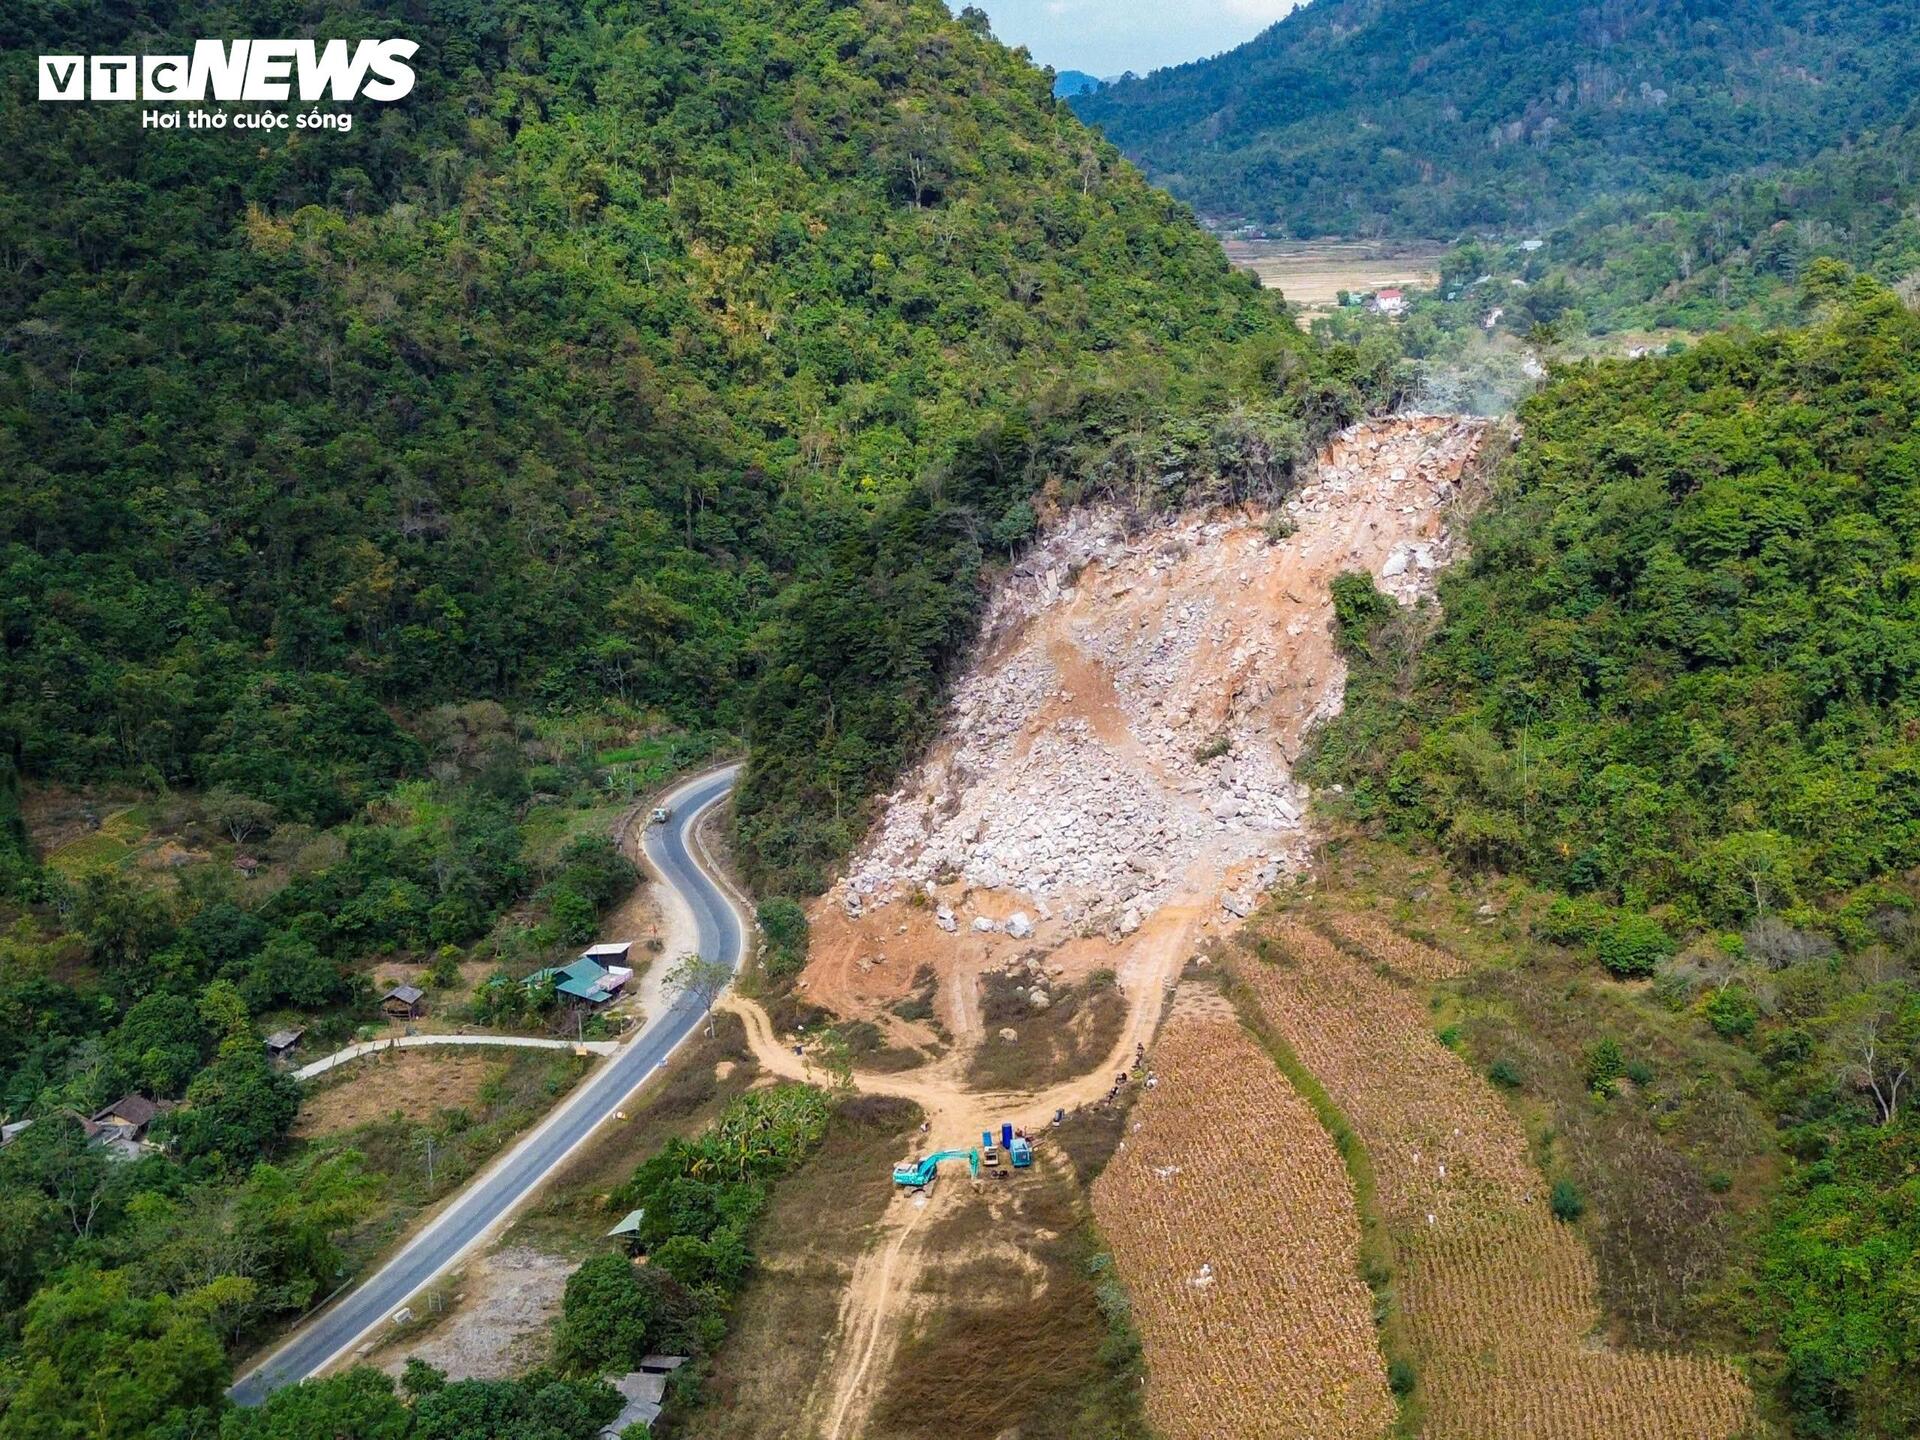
column 1401, row 1378
column 444, row 972
column 1505, row 1074
column 1605, row 1065
column 1569, row 922
column 1358, row 609
column 1566, row 1201
column 784, row 924
column 1635, row 945
column 1213, row 748
column 1732, row 1013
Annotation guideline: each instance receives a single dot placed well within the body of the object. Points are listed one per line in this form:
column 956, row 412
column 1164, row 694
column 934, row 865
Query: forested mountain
column 1433, row 117
column 1701, row 256
column 693, row 354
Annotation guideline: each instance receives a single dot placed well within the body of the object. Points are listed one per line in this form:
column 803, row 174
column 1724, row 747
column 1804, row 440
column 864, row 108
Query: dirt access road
column 883, row 1278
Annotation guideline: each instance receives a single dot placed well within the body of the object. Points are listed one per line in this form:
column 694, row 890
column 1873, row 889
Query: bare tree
column 1877, row 1045
column 57, row 1155
column 704, row 979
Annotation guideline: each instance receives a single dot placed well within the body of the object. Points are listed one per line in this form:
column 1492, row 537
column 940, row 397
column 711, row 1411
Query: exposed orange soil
column 1232, row 1217
column 1500, row 1300
column 1126, row 736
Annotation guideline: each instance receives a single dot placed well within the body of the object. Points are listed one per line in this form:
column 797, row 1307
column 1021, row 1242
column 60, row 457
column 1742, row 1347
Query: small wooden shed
column 404, row 1002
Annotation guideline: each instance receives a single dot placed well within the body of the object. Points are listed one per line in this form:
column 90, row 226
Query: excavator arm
column 920, row 1172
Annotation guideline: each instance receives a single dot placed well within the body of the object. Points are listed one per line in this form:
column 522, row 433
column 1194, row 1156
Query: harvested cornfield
column 1498, row 1301
column 1232, row 1219
column 1421, row 1114
column 1373, row 937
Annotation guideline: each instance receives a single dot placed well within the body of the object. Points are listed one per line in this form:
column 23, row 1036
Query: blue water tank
column 1006, row 1135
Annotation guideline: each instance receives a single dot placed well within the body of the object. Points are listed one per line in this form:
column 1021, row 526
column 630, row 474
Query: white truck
column 661, row 814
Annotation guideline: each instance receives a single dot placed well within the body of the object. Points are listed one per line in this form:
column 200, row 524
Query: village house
column 404, row 1002
column 282, row 1043
column 644, row 1390
column 120, row 1129
column 1390, row 301
column 585, row 982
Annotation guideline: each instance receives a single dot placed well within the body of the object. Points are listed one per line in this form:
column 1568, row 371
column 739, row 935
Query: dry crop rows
column 1498, row 1298
column 1372, row 937
column 1232, row 1219
column 1421, row 1113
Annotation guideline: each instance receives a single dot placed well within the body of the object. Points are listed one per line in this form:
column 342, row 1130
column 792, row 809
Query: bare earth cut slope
column 1499, row 1299
column 1231, row 1216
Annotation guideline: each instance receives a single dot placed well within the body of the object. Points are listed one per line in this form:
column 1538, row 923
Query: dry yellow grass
column 414, row 1084
column 1498, row 1300
column 1228, row 1168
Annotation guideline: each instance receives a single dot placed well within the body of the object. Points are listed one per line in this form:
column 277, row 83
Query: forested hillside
column 1677, row 689
column 635, row 333
column 1699, row 257
column 1434, row 117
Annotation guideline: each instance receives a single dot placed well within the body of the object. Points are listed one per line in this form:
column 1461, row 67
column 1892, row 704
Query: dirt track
column 877, row 1296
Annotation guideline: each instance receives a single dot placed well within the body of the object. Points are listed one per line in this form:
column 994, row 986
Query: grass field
column 1068, row 1038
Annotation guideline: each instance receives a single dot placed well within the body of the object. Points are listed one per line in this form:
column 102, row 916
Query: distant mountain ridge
column 1436, row 117
column 1069, row 83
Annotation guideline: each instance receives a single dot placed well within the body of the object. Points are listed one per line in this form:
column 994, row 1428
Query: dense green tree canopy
column 1682, row 667
column 551, row 380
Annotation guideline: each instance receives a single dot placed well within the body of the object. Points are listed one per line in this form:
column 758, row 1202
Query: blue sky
column 1109, row 36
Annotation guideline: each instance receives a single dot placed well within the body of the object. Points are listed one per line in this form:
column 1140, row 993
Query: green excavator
column 919, row 1173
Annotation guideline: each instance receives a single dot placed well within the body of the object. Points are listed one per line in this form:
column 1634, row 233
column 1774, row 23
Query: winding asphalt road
column 498, row 1190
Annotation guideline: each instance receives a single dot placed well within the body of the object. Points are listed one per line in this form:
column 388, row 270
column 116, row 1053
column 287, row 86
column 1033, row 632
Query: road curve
column 498, row 1190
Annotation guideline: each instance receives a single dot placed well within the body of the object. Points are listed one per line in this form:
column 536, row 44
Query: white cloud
column 1260, row 12
column 1108, row 36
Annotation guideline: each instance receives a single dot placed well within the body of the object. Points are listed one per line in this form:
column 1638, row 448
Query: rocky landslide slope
column 1125, row 737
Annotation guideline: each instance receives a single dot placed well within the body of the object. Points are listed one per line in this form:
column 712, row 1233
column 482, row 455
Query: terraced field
column 1499, row 1300
column 1233, row 1221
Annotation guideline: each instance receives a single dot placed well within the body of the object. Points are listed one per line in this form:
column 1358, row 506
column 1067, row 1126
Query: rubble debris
column 1139, row 695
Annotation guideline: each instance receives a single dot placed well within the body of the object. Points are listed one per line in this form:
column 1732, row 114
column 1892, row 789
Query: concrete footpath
column 409, row 1042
